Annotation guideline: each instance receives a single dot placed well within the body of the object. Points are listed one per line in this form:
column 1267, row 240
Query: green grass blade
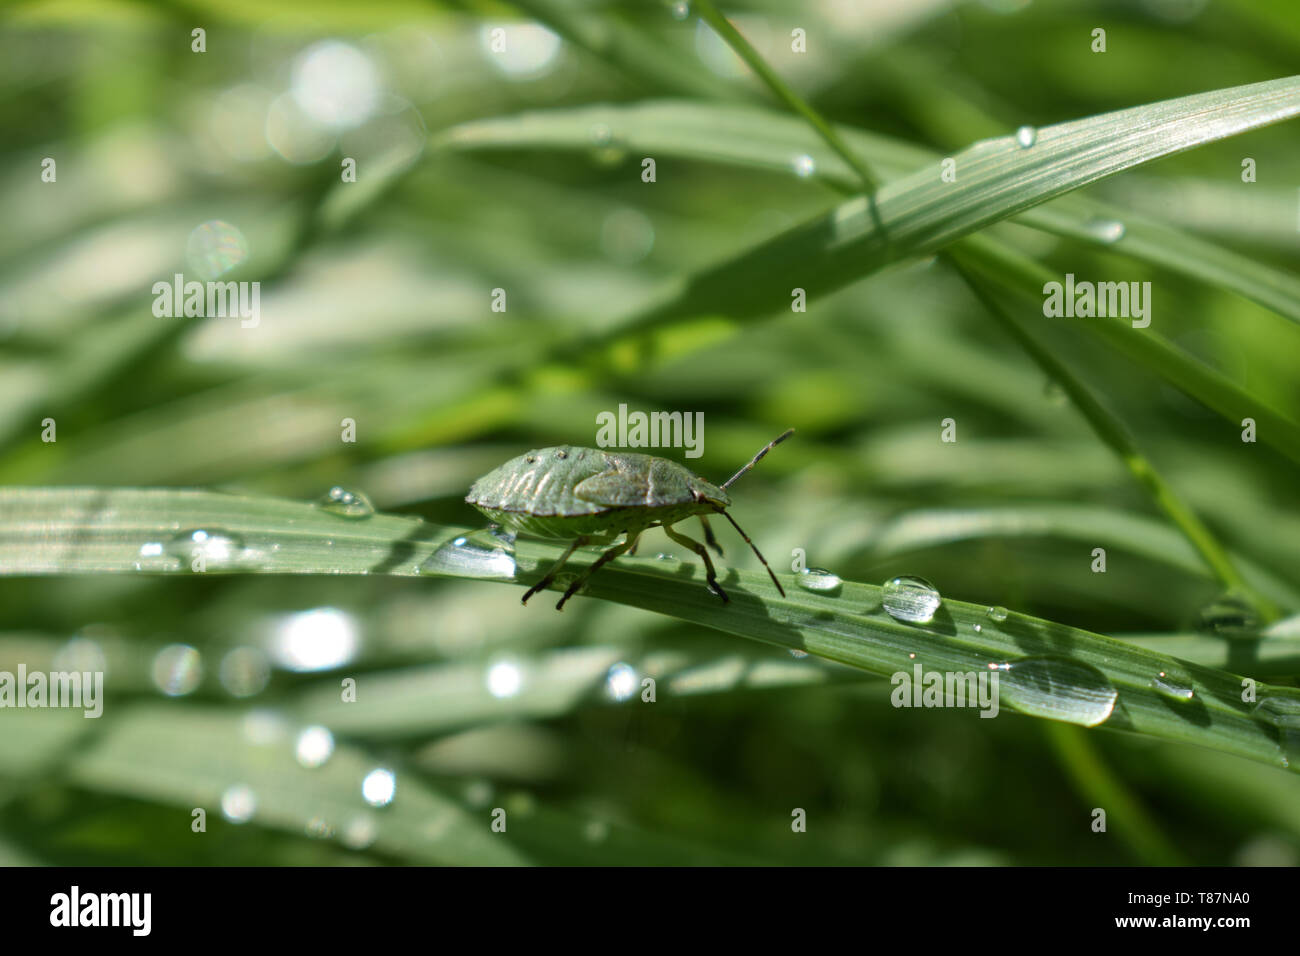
column 71, row 531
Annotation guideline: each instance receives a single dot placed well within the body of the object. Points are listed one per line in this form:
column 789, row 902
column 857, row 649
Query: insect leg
column 709, row 539
column 545, row 582
column 605, row 558
column 710, row 576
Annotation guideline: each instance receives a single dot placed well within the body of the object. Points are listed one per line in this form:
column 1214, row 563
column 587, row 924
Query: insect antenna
column 754, row 461
column 746, row 537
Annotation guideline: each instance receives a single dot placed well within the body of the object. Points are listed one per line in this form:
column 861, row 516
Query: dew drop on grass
column 1054, row 393
column 998, row 614
column 1107, row 230
column 621, row 681
column 1230, row 615
column 681, row 10
column 207, row 549
column 819, row 581
column 1173, row 688
column 910, row 599
column 1056, row 688
column 238, row 803
column 481, row 554
column 669, row 559
column 1026, row 136
column 1283, row 712
column 804, row 166
column 346, row 503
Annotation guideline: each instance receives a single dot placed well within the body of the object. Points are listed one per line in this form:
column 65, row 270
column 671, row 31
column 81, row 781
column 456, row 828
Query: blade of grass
column 1112, row 431
column 1108, row 428
column 78, row 531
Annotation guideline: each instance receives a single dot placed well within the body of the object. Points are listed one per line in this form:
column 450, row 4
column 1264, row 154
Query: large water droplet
column 819, row 581
column 1175, row 687
column 238, row 803
column 621, row 682
column 1026, row 136
column 1283, row 712
column 314, row 746
column 1057, row 688
column 998, row 614
column 504, row 679
column 177, row 670
column 206, row 550
column 379, row 787
column 346, row 503
column 1230, row 615
column 481, row 554
column 1107, row 230
column 910, row 599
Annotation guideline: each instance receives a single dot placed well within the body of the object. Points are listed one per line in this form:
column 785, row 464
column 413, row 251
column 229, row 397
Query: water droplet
column 214, row 248
column 666, row 558
column 314, row 746
column 478, row 793
column 820, row 581
column 244, row 671
column 316, row 640
column 998, row 614
column 319, row 828
column 621, row 681
column 379, row 787
column 911, row 599
column 1230, row 615
column 607, row 150
column 359, row 832
column 1054, row 393
column 1026, row 136
column 346, row 503
column 238, row 803
column 177, row 669
column 804, row 166
column 504, row 679
column 1057, row 688
column 206, row 550
column 1173, row 687
column 681, row 10
column 1283, row 712
column 482, row 554
column 1107, row 230
column 979, row 628
column 798, row 654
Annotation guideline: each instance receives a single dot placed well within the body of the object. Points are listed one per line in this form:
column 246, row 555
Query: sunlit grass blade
column 1066, row 672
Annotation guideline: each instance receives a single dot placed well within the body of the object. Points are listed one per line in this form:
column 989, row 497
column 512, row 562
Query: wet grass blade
column 1064, row 672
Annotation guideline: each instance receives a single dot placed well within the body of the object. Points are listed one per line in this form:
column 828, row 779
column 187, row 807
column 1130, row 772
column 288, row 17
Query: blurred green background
column 376, row 305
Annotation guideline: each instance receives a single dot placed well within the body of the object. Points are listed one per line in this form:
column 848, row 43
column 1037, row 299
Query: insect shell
column 592, row 496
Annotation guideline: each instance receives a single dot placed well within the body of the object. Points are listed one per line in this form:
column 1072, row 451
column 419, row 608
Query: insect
column 592, row 496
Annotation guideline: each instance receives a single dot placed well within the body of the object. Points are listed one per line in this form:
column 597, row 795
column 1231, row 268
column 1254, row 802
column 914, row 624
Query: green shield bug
column 592, row 496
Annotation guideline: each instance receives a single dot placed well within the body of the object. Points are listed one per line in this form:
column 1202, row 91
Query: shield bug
column 593, row 496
